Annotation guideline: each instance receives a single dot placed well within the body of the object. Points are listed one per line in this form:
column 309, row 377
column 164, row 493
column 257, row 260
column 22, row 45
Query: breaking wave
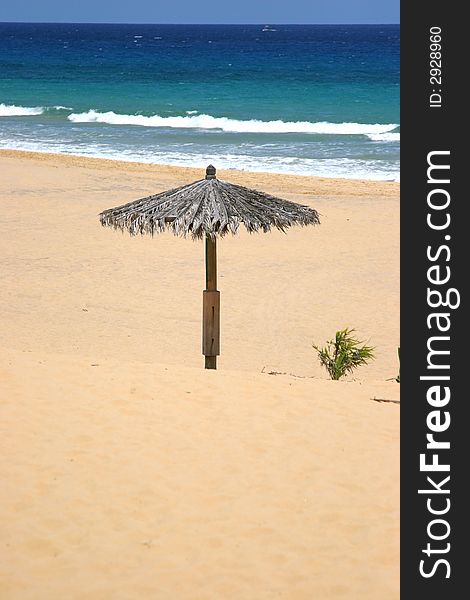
column 384, row 137
column 10, row 110
column 232, row 125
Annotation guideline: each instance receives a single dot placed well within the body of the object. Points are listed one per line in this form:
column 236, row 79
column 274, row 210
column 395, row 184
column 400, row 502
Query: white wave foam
column 231, row 125
column 335, row 167
column 10, row 110
column 384, row 137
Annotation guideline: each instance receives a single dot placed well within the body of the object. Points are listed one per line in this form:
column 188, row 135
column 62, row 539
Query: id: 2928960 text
column 435, row 67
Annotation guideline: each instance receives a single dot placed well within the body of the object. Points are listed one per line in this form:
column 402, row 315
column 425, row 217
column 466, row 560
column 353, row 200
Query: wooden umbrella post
column 211, row 308
column 208, row 208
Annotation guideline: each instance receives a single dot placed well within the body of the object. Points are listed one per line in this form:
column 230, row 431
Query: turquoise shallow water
column 319, row 100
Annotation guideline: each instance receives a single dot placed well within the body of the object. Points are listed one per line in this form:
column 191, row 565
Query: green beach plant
column 344, row 354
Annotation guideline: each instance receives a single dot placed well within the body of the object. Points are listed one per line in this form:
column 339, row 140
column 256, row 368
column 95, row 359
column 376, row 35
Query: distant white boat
column 268, row 28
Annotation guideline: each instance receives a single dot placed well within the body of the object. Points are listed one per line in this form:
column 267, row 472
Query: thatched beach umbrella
column 208, row 208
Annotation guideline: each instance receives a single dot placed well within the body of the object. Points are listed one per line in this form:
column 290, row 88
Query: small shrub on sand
column 344, row 354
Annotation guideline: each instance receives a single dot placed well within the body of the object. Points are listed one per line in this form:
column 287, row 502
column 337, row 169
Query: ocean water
column 307, row 99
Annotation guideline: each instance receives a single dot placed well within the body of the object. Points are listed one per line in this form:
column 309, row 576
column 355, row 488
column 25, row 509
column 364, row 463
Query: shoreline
column 364, row 186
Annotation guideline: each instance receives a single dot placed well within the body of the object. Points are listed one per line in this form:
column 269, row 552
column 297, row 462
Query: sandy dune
column 129, row 472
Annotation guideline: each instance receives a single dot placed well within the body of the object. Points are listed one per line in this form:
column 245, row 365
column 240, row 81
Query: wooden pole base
column 210, row 362
column 211, row 327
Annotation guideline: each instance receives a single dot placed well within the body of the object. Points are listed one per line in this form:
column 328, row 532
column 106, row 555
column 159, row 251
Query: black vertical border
column 425, row 129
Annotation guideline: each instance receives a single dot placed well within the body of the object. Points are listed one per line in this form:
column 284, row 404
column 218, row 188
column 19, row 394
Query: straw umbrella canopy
column 208, row 208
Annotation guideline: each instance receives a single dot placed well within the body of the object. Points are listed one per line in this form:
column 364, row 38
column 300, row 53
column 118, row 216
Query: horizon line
column 145, row 23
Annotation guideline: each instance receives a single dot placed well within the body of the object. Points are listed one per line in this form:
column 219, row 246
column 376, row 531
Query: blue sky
column 201, row 11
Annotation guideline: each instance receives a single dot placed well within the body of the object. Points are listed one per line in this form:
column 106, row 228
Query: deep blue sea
column 308, row 99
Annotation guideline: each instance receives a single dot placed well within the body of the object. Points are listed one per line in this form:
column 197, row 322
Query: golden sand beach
column 131, row 473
